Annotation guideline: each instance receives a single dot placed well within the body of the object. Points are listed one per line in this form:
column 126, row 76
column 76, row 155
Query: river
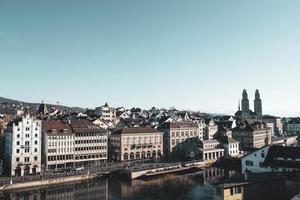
column 194, row 186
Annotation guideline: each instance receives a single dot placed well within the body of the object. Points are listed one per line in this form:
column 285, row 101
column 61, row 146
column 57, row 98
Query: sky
column 193, row 55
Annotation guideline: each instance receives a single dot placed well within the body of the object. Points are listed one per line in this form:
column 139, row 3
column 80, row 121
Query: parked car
column 79, row 168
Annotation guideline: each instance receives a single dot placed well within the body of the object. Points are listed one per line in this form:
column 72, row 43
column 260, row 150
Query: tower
column 258, row 105
column 245, row 105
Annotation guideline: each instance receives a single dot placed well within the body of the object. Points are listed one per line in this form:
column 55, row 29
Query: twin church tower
column 246, row 113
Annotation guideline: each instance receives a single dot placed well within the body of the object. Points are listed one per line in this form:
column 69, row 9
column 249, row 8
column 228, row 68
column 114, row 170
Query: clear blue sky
column 193, row 54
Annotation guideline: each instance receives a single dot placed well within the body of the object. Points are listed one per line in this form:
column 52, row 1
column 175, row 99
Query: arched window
column 158, row 153
column 125, row 156
column 148, row 154
column 137, row 155
column 143, row 154
column 153, row 153
column 131, row 156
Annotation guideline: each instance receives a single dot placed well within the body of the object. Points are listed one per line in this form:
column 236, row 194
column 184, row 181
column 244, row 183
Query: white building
column 58, row 145
column 23, row 146
column 101, row 123
column 253, row 162
column 91, row 143
column 230, row 145
column 272, row 159
column 211, row 130
column 210, row 150
column 108, row 114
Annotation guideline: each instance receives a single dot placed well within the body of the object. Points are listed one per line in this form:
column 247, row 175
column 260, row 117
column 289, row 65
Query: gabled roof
column 255, row 151
column 282, row 156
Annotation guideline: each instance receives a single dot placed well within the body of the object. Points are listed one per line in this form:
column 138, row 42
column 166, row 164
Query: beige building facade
column 130, row 144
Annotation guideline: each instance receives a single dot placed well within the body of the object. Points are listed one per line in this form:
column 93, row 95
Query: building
column 130, row 144
column 90, row 143
column 293, row 126
column 108, row 114
column 274, row 123
column 246, row 113
column 101, row 123
column 210, row 150
column 286, row 141
column 253, row 162
column 58, row 145
column 254, row 135
column 230, row 191
column 230, row 145
column 23, row 139
column 211, row 130
column 283, row 159
column 272, row 159
column 177, row 135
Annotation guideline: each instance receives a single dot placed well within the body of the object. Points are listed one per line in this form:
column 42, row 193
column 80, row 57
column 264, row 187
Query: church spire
column 245, row 105
column 258, row 105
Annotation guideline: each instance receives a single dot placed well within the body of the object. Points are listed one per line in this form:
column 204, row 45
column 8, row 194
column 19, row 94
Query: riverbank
column 48, row 182
column 130, row 173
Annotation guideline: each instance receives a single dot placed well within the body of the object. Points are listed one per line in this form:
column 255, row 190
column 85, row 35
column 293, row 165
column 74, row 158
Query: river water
column 193, row 186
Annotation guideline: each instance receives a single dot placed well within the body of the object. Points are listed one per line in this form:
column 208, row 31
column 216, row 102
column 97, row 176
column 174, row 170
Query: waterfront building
column 272, row 159
column 210, row 150
column 176, row 135
column 230, row 145
column 23, row 139
column 90, row 143
column 230, row 191
column 253, row 162
column 130, row 144
column 107, row 113
column 254, row 135
column 283, row 159
column 58, row 145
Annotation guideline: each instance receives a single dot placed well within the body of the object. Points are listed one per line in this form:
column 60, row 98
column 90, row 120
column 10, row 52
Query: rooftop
column 135, row 130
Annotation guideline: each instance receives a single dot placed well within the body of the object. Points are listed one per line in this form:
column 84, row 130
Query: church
column 246, row 113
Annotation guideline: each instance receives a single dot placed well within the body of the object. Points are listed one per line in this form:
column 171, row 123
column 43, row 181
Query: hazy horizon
column 192, row 55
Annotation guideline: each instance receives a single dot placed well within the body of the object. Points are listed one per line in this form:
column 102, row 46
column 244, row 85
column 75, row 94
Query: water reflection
column 193, row 186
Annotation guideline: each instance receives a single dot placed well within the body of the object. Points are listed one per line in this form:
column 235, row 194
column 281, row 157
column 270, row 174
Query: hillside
column 10, row 106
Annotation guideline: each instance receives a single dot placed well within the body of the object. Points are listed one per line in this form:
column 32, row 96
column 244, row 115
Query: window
column 18, row 136
column 18, row 143
column 262, row 155
column 35, row 150
column 27, row 150
column 27, row 128
column 36, row 142
column 36, row 135
column 35, row 158
column 17, row 159
column 18, row 151
column 249, row 163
